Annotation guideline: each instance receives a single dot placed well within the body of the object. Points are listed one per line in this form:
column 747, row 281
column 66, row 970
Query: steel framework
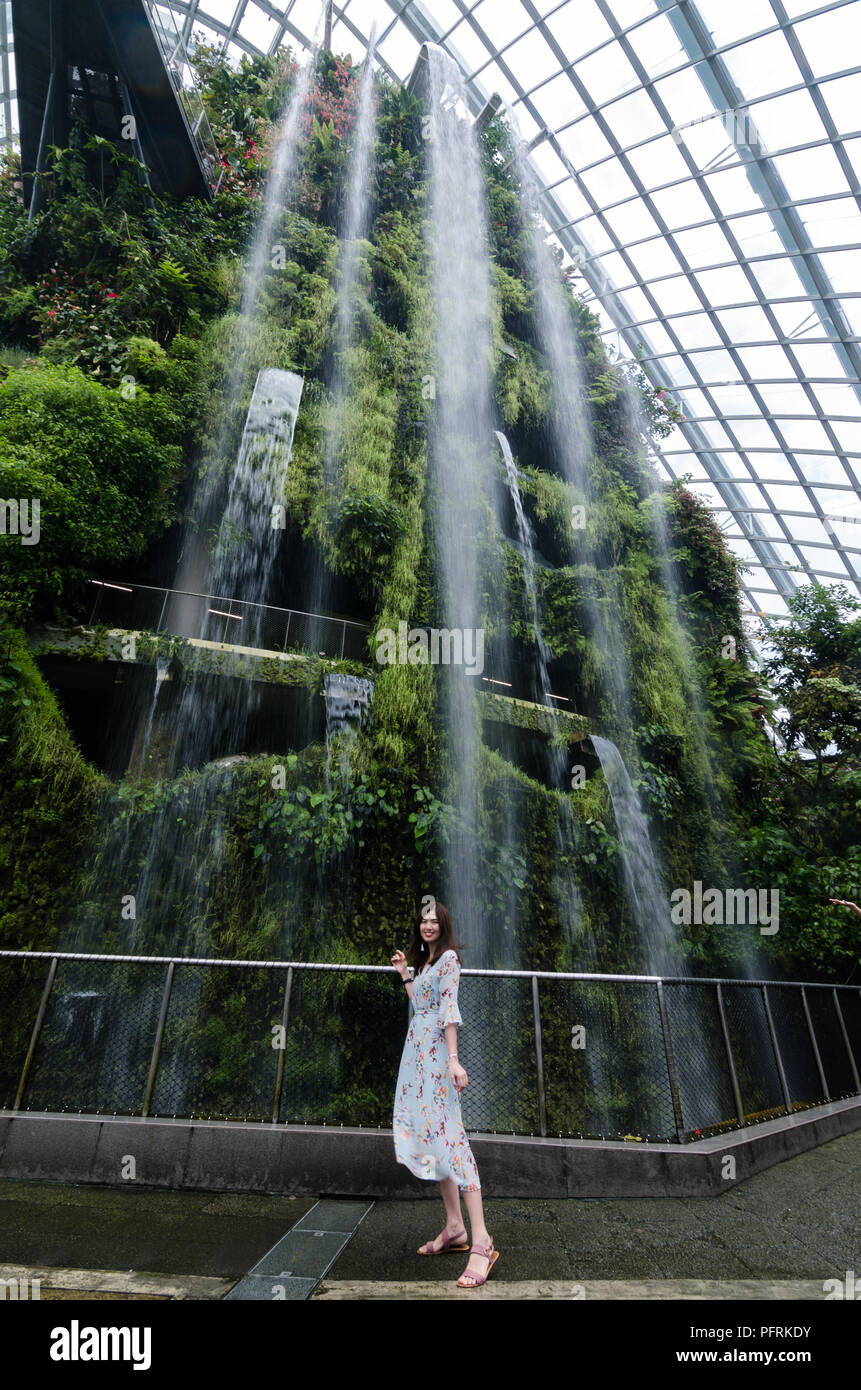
column 701, row 164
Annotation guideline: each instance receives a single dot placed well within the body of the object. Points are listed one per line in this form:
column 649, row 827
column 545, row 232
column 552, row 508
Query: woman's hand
column 841, row 902
column 399, row 961
column 458, row 1075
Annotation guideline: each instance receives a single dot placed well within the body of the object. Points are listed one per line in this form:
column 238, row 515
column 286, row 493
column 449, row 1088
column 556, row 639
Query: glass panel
column 829, row 38
column 260, row 29
column 653, row 258
column 532, row 59
column 766, row 362
column 607, row 74
column 843, row 97
column 578, row 27
column 608, row 183
column 501, row 23
column 728, row 285
column 464, row 41
column 676, row 295
column 787, row 120
column 728, row 22
column 763, row 65
column 657, row 162
column 777, row 278
column 400, row 51
column 634, row 118
column 559, row 104
column 811, row 173
column 657, row 46
column 585, row 143
column 732, row 190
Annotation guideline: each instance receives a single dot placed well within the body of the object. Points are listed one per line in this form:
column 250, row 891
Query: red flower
column 111, row 294
column 51, row 313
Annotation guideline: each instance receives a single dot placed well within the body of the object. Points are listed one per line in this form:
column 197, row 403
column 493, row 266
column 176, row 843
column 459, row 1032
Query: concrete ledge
column 224, row 1156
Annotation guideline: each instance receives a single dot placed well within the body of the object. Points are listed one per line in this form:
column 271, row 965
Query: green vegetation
column 118, row 314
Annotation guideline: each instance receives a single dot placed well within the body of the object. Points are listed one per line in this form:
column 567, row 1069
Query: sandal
column 488, row 1253
column 427, row 1248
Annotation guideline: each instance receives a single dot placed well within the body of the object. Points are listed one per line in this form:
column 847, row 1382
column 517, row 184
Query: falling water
column 527, row 555
column 266, row 259
column 358, row 197
column 642, row 875
column 245, row 551
column 162, row 865
column 574, row 443
column 567, row 835
column 354, row 228
column 348, row 701
column 460, row 453
column 573, row 448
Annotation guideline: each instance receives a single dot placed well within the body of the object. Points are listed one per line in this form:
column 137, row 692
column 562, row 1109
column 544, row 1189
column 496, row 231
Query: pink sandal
column 488, row 1253
column 427, row 1248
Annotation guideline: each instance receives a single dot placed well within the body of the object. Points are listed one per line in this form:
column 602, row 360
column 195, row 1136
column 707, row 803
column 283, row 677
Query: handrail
column 120, row 584
column 691, row 1113
column 466, row 970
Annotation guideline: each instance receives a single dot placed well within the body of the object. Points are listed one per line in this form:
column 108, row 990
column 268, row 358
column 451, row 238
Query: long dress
column 429, row 1135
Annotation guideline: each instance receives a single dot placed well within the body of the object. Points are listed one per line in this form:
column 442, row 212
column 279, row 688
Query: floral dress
column 428, row 1130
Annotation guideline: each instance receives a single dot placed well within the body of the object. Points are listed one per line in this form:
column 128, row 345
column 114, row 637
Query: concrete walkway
column 777, row 1236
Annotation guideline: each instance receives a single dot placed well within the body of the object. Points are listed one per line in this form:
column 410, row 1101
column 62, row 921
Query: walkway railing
column 592, row 1055
column 186, row 613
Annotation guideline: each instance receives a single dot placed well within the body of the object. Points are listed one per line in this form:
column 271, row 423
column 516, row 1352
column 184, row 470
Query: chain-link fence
column 569, row 1055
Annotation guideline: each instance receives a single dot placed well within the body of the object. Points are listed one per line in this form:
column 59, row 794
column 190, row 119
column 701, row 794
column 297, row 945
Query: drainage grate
column 295, row 1265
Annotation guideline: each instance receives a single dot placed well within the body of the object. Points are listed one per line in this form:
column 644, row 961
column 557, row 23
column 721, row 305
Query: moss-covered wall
column 319, row 865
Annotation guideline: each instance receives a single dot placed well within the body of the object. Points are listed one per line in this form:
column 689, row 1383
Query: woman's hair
column 416, row 955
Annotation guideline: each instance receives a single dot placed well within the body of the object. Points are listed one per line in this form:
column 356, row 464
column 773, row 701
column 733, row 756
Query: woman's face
column 430, row 929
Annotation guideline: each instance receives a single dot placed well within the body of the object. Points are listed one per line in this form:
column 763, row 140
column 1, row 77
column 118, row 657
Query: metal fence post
column 777, row 1057
column 159, row 1034
column 167, row 594
column 842, row 1023
column 814, row 1044
column 729, row 1057
column 37, row 1029
column 99, row 591
column 539, row 1059
column 671, row 1066
column 282, row 1054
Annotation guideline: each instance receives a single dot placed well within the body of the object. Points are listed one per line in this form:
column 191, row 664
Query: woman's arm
column 448, row 1015
column 451, row 1041
column 399, row 961
column 841, row 902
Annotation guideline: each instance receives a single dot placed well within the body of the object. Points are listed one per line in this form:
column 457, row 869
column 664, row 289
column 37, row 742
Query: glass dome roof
column 701, row 163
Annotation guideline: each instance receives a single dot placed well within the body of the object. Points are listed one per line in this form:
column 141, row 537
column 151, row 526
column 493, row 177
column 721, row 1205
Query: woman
column 428, row 1129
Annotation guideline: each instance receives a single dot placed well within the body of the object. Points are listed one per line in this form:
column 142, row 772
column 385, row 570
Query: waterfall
column 354, row 228
column 573, row 441
column 527, row 554
column 348, row 701
column 358, row 196
column 352, row 231
column 245, row 551
column 460, row 457
column 567, row 834
column 266, row 259
column 642, row 874
column 160, row 869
